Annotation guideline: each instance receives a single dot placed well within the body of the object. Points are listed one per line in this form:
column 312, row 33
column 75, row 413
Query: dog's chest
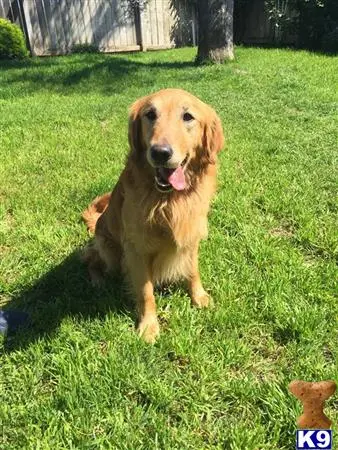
column 168, row 237
column 152, row 226
column 175, row 234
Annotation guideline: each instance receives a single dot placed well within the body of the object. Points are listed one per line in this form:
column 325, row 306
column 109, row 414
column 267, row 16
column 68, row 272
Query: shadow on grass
column 286, row 46
column 65, row 291
column 85, row 73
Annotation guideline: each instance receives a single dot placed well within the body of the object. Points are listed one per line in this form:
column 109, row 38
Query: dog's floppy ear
column 135, row 127
column 213, row 137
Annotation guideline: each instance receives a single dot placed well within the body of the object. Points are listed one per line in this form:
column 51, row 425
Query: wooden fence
column 56, row 26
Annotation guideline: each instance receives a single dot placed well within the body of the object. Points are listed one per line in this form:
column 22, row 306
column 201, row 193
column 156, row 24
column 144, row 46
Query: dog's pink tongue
column 177, row 179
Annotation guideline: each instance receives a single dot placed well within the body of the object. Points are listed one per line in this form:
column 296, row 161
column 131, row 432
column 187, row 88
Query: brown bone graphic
column 313, row 396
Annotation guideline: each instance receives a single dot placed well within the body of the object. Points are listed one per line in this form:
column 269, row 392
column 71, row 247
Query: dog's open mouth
column 168, row 179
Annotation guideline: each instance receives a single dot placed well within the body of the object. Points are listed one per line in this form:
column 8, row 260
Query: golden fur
column 153, row 237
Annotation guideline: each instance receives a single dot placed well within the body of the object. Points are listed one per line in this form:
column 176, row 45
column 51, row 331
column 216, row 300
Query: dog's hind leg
column 96, row 266
column 102, row 256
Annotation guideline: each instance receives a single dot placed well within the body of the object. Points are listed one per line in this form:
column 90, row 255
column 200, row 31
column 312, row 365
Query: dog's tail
column 95, row 210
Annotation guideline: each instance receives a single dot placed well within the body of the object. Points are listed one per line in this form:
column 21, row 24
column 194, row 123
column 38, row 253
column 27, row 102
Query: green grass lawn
column 80, row 378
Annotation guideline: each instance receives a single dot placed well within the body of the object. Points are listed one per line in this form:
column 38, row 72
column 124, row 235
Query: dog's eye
column 151, row 115
column 187, row 117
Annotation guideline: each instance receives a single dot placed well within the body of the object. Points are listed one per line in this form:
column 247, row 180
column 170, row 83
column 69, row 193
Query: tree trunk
column 215, row 21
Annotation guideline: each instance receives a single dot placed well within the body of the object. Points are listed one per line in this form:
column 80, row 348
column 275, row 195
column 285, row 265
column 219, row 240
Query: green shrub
column 314, row 22
column 12, row 41
column 330, row 41
column 85, row 48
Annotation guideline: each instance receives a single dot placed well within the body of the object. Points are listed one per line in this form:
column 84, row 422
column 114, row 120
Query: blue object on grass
column 11, row 320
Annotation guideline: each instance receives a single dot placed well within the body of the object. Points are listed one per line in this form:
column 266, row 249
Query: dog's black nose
column 161, row 154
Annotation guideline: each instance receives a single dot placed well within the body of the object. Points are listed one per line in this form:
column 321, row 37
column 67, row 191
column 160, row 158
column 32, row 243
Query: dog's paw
column 149, row 329
column 203, row 300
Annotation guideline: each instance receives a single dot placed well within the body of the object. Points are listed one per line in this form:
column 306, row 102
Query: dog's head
column 173, row 131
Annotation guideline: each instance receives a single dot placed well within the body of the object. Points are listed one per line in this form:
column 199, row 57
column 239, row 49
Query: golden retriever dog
column 151, row 225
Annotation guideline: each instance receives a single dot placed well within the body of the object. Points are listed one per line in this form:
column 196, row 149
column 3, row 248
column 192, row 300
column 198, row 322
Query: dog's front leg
column 198, row 295
column 138, row 269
